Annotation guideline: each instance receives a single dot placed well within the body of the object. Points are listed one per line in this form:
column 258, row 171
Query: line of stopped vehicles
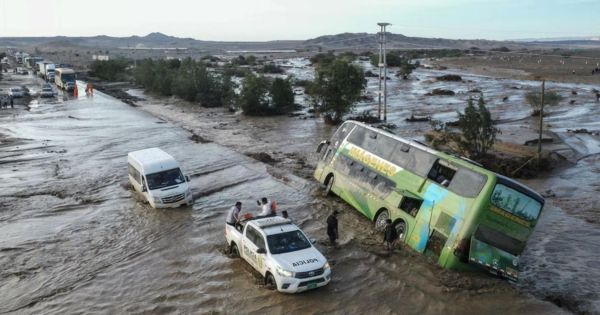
column 62, row 76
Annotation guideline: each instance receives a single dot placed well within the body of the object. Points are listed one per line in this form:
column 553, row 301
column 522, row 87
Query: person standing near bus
column 390, row 235
column 332, row 227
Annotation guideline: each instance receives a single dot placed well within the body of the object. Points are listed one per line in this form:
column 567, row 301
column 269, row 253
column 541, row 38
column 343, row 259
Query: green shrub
column 110, row 70
column 337, row 86
column 477, row 127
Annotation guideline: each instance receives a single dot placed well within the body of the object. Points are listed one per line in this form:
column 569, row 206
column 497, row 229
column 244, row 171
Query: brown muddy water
column 74, row 240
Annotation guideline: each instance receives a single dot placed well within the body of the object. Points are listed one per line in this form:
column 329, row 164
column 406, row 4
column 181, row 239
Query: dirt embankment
column 534, row 67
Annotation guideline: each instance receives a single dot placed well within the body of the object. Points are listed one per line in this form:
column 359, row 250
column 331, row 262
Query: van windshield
column 287, row 242
column 165, row 179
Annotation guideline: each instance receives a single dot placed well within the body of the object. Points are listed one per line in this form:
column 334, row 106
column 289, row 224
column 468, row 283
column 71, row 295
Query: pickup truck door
column 249, row 247
column 260, row 258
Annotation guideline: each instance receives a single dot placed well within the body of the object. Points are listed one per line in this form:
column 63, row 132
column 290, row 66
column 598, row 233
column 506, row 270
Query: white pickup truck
column 281, row 253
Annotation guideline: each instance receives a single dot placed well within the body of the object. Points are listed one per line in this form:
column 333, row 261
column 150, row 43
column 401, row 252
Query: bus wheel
column 400, row 227
column 329, row 185
column 381, row 219
column 270, row 283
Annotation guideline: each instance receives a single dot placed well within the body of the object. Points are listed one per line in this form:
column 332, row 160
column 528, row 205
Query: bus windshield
column 67, row 77
column 516, row 202
column 165, row 179
column 287, row 242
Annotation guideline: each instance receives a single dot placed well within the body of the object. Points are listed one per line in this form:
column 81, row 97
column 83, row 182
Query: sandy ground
column 551, row 68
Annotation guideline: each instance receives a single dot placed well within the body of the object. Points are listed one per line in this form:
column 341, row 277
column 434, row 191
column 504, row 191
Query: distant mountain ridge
column 366, row 40
column 343, row 41
column 152, row 40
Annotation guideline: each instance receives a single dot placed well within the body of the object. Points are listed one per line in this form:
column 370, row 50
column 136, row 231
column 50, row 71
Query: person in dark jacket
column 390, row 235
column 332, row 227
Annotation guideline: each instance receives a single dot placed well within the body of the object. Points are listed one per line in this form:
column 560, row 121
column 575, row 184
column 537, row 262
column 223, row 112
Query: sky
column 260, row 20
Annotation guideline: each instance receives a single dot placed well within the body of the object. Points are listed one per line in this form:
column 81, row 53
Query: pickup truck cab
column 280, row 252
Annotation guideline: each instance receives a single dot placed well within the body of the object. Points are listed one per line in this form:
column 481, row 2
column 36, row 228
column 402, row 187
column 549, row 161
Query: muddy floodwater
column 74, row 238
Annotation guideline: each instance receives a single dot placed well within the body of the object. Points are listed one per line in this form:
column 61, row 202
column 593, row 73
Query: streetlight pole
column 382, row 70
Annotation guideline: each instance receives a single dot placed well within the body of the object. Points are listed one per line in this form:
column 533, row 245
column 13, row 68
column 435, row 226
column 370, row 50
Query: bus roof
column 460, row 160
column 65, row 70
column 153, row 160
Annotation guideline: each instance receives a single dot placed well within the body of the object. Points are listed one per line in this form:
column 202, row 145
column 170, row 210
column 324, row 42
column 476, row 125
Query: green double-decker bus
column 442, row 205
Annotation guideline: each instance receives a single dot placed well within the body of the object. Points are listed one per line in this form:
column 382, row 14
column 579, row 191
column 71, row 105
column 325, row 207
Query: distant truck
column 156, row 175
column 64, row 78
column 281, row 253
column 21, row 57
column 31, row 62
column 46, row 70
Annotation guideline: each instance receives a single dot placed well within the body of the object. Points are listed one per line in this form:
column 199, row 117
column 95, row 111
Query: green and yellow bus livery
column 442, row 205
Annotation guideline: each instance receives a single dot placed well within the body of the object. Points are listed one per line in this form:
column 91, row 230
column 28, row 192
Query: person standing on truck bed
column 332, row 227
column 233, row 218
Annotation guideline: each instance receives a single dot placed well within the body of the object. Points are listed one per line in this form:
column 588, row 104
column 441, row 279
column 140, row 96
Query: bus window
column 442, row 173
column 340, row 135
column 499, row 240
column 410, row 205
column 516, row 202
column 386, row 147
column 467, row 183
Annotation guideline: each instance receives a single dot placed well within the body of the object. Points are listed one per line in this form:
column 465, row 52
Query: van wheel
column 233, row 251
column 400, row 227
column 270, row 283
column 329, row 185
column 380, row 220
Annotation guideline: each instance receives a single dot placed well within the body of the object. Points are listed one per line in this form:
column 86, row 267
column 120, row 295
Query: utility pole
column 382, row 71
column 539, row 149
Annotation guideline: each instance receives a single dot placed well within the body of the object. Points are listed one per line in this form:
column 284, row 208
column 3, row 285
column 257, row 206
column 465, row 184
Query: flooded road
column 561, row 257
column 74, row 239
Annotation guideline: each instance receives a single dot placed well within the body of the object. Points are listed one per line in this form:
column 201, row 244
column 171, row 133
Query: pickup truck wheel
column 270, row 283
column 233, row 251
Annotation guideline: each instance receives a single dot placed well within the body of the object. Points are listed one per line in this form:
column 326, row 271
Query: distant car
column 16, row 92
column 47, row 91
column 21, row 70
column 26, row 92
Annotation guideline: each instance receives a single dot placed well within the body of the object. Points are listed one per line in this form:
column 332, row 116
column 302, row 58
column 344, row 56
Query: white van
column 157, row 177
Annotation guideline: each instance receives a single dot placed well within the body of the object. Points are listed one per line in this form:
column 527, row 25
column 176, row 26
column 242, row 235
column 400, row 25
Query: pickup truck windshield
column 287, row 242
column 165, row 179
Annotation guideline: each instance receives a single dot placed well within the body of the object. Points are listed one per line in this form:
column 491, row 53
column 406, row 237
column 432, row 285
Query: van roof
column 153, row 160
